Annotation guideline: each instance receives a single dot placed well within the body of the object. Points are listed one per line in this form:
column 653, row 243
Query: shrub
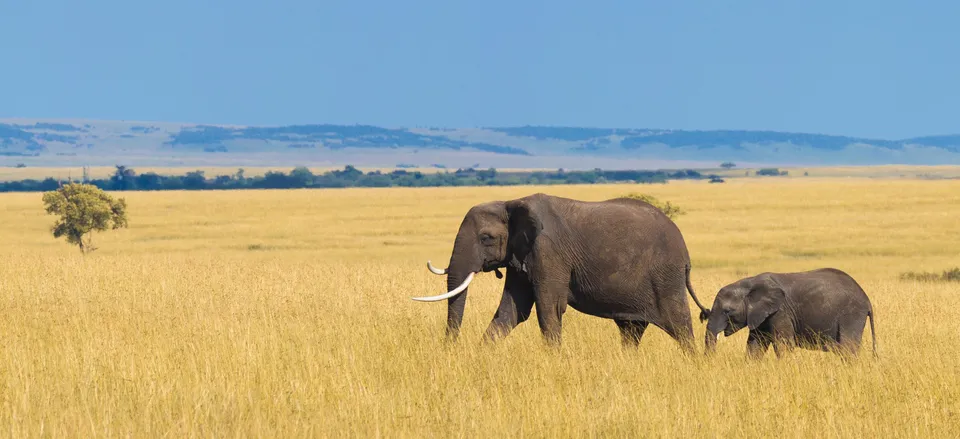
column 671, row 210
column 771, row 171
column 952, row 275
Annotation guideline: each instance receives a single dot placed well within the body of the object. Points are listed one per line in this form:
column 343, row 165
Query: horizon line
column 482, row 127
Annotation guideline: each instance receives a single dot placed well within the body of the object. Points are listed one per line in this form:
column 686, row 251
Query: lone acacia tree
column 83, row 209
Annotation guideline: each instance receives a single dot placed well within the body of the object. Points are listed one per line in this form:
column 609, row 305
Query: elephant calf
column 820, row 309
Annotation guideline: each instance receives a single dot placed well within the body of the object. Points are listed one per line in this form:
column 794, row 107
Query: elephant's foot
column 495, row 332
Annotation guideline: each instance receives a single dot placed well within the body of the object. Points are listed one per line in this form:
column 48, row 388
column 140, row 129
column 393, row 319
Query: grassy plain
column 288, row 314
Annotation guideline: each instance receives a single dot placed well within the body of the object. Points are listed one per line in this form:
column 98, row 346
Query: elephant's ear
column 524, row 226
column 764, row 299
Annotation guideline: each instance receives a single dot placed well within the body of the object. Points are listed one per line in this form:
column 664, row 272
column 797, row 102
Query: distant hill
column 83, row 142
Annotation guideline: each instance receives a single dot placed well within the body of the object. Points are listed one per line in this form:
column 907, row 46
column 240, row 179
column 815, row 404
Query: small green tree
column 124, row 178
column 83, row 209
column 672, row 211
column 728, row 165
column 302, row 176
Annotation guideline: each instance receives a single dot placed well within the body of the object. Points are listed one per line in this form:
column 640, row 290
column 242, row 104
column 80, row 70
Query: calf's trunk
column 715, row 325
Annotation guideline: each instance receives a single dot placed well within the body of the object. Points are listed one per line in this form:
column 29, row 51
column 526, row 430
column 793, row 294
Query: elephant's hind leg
column 675, row 320
column 850, row 335
column 682, row 333
column 672, row 310
column 631, row 331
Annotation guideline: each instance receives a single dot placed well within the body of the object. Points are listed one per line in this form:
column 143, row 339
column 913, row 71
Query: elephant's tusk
column 452, row 292
column 718, row 336
column 435, row 270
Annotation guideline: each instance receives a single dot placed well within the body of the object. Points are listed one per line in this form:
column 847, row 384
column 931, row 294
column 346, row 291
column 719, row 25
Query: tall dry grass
column 288, row 314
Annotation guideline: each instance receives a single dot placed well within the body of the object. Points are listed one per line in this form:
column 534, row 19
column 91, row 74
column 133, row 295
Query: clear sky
column 869, row 68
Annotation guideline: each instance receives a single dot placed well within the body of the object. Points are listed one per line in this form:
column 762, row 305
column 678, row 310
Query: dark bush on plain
column 952, row 275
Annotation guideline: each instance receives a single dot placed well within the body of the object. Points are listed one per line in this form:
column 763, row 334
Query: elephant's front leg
column 551, row 301
column 757, row 344
column 784, row 336
column 455, row 307
column 515, row 305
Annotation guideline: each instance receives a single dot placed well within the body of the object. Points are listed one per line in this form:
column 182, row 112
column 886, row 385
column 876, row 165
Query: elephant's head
column 748, row 302
column 491, row 236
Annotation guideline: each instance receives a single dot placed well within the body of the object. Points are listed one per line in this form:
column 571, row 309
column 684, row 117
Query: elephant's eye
column 486, row 239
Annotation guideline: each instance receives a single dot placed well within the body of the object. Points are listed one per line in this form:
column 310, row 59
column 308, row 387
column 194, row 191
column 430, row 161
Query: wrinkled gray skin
column 823, row 309
column 620, row 259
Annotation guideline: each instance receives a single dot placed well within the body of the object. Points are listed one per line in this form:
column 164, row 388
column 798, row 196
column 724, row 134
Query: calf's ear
column 765, row 298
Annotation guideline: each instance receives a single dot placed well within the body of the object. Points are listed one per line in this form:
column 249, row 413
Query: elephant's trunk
column 459, row 274
column 456, row 304
column 456, row 298
column 715, row 325
column 464, row 264
column 710, row 341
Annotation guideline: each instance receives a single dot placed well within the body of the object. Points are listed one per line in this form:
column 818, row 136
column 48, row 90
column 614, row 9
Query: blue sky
column 861, row 68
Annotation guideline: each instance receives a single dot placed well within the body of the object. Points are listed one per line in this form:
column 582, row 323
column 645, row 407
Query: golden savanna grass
column 288, row 314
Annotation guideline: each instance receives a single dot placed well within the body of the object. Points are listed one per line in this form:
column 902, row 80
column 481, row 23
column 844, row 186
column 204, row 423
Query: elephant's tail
column 873, row 334
column 704, row 311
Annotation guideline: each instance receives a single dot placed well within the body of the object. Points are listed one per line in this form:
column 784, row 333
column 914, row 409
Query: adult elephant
column 620, row 259
column 823, row 309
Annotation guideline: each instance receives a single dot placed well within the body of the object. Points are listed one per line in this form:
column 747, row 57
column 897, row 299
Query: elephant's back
column 630, row 231
column 637, row 206
column 833, row 281
column 830, row 289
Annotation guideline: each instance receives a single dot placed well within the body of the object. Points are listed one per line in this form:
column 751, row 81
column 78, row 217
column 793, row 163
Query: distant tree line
column 771, row 171
column 125, row 179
